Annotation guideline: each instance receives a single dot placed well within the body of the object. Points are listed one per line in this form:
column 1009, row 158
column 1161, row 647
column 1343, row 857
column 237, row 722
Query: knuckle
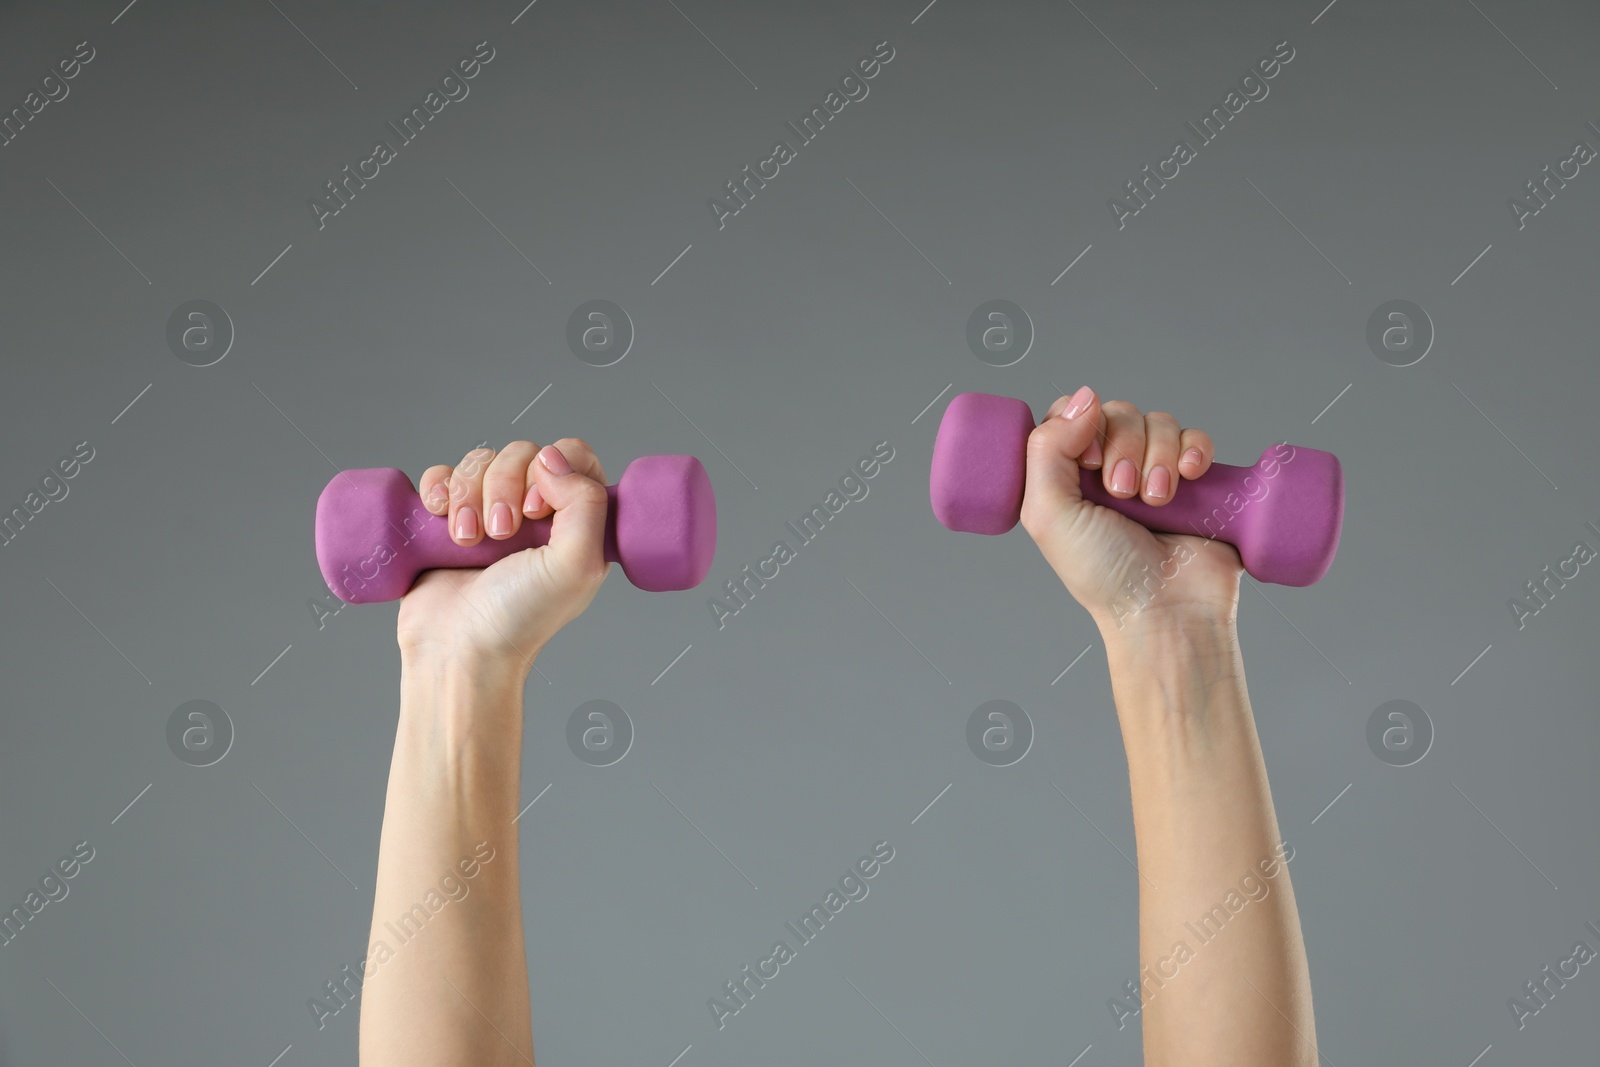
column 1041, row 445
column 577, row 451
column 1162, row 418
column 507, row 465
column 474, row 462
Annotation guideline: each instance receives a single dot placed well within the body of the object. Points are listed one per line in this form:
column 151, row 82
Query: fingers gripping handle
column 374, row 536
column 1206, row 506
column 1283, row 514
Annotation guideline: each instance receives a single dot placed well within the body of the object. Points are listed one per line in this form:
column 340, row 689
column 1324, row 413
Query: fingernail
column 533, row 502
column 554, row 461
column 466, row 524
column 1092, row 455
column 1079, row 403
column 500, row 519
column 1193, row 458
column 438, row 496
column 1124, row 478
column 1159, row 484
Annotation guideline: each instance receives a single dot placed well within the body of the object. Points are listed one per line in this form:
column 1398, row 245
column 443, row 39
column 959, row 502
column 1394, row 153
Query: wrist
column 462, row 693
column 460, row 728
column 458, row 741
column 1138, row 613
column 1171, row 663
column 463, row 666
column 1200, row 628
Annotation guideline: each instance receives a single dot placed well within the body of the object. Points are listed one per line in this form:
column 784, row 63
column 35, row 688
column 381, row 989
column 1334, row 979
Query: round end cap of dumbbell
column 1296, row 543
column 666, row 523
column 354, row 516
column 979, row 460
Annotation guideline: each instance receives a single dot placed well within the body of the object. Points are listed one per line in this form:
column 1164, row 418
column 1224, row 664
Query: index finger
column 582, row 458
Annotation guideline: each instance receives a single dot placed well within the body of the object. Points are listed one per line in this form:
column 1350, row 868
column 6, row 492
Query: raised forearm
column 452, row 986
column 1223, row 969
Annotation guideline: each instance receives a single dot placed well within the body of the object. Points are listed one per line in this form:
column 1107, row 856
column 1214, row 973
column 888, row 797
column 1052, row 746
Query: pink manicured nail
column 438, row 496
column 532, row 502
column 466, row 524
column 1092, row 455
column 1193, row 458
column 554, row 461
column 1124, row 478
column 500, row 519
column 1079, row 403
column 1159, row 484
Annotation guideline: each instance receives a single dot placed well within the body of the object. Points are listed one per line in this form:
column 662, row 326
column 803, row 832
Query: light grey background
column 811, row 327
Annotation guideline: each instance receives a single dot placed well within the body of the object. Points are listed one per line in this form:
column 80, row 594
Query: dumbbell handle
column 435, row 548
column 1197, row 501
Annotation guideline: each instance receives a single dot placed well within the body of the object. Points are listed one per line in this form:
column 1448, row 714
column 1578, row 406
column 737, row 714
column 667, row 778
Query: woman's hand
column 502, row 615
column 1118, row 570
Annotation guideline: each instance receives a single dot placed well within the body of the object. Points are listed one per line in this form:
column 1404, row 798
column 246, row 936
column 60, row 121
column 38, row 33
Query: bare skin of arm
column 453, row 989
column 456, row 992
column 1223, row 971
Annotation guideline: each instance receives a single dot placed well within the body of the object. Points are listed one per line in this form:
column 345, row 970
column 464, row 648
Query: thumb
column 1052, row 493
column 578, row 526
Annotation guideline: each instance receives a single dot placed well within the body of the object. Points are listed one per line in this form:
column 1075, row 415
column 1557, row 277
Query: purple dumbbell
column 374, row 536
column 1283, row 514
